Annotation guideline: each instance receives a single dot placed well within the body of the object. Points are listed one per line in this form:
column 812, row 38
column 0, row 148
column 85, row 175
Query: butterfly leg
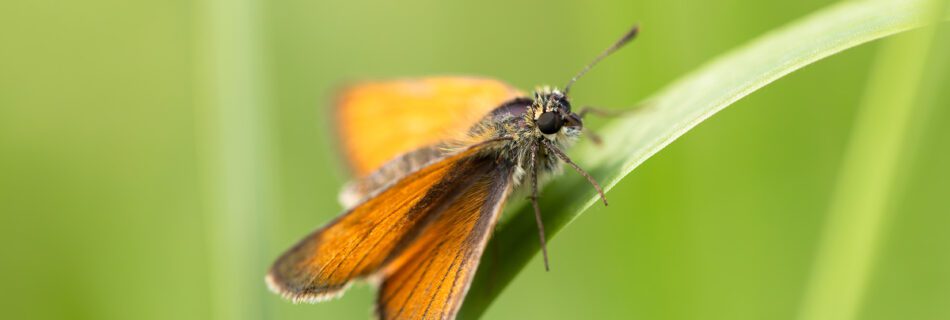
column 561, row 155
column 607, row 113
column 534, row 203
column 595, row 138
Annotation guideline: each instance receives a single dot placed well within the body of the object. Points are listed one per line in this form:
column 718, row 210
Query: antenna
column 617, row 45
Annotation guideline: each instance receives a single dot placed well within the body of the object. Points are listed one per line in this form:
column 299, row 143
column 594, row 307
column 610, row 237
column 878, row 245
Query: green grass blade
column 867, row 185
column 235, row 151
column 675, row 110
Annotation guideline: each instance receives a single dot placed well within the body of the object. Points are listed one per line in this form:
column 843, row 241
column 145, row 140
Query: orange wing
column 430, row 278
column 357, row 243
column 379, row 121
column 361, row 241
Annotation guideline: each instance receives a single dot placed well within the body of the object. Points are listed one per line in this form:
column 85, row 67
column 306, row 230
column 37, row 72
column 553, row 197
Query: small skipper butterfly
column 436, row 159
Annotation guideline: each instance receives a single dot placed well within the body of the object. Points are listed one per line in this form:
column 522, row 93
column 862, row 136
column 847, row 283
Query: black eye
column 549, row 122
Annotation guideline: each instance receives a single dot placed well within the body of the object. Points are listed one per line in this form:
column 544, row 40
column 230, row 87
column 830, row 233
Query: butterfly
column 436, row 160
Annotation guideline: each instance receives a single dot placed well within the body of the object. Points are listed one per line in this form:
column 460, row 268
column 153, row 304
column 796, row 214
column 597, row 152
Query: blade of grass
column 866, row 188
column 236, row 151
column 675, row 110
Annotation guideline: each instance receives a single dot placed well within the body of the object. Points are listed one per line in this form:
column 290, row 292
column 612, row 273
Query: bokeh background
column 155, row 156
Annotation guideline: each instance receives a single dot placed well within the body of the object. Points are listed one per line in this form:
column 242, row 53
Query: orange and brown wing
column 360, row 242
column 430, row 278
column 357, row 243
column 379, row 121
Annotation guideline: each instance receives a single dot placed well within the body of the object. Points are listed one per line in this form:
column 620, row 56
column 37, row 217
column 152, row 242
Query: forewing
column 430, row 278
column 381, row 120
column 358, row 243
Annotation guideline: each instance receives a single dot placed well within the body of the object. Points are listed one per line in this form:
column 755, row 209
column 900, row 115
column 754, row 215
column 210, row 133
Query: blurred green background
column 155, row 156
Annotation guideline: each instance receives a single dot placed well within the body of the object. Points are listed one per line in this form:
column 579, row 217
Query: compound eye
column 549, row 122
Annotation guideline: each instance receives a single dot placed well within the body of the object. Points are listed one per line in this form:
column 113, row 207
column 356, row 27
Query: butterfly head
column 552, row 112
